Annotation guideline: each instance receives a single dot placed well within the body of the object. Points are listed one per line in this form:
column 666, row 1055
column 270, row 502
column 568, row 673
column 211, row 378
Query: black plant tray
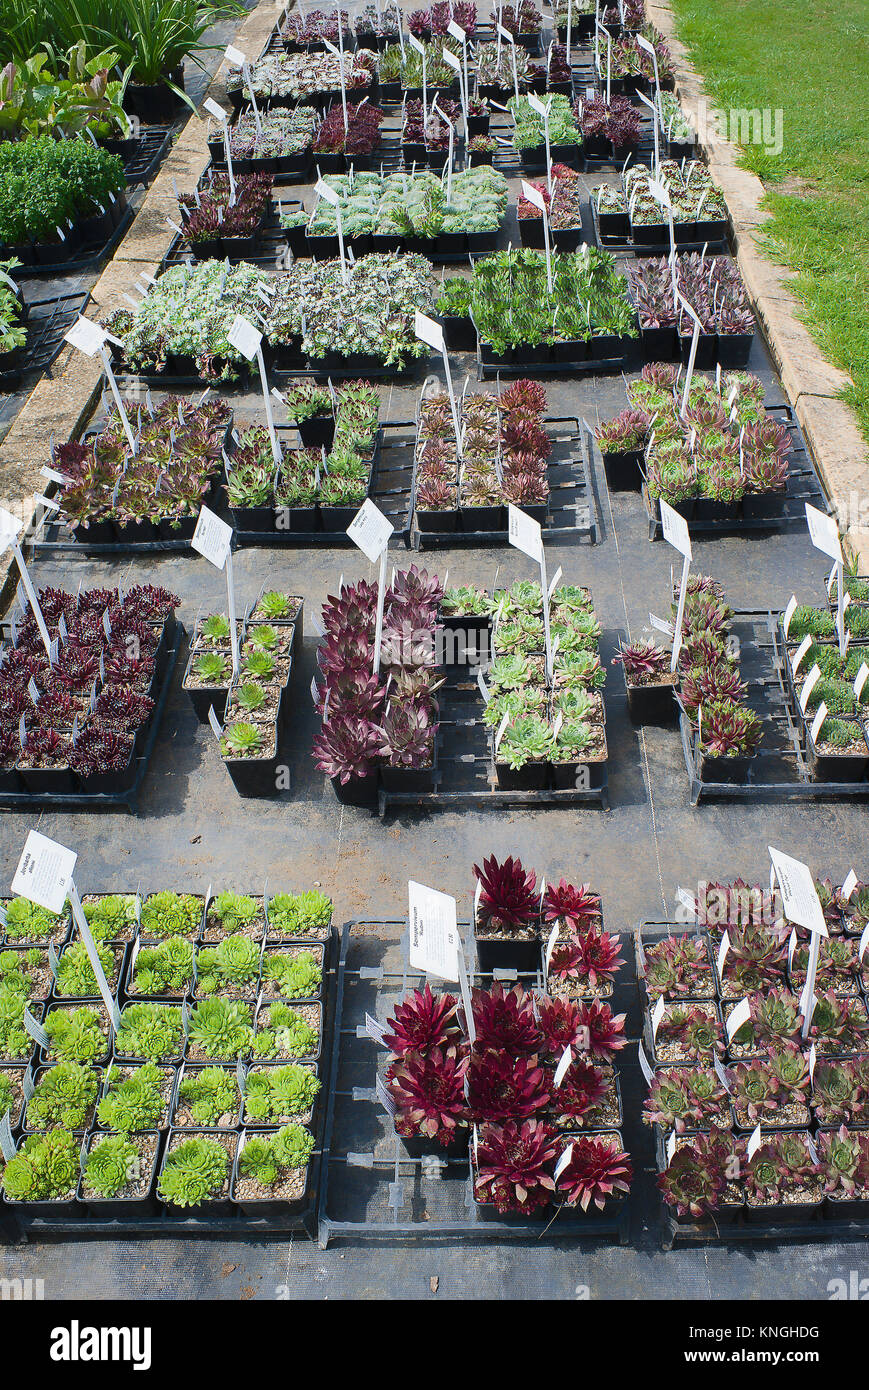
column 787, row 510
column 370, row 1188
column 152, row 146
column 626, row 246
column 779, row 770
column 90, row 254
column 571, row 509
column 464, row 773
column 97, row 801
column 17, row 1228
column 47, row 321
column 589, row 366
column 270, row 244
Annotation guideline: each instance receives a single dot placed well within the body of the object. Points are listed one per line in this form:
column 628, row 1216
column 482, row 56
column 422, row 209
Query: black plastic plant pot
column 212, row 1206
column 95, row 533
column 490, row 358
column 238, row 247
column 659, row 344
column 324, row 247
column 451, row 243
column 254, row 776
column 831, row 767
column 253, row 518
column 120, row 1208
column 337, row 518
column 604, row 346
column 266, row 1207
column 407, row 779
column 734, row 348
column 568, row 776
column 421, row 1146
column 207, row 249
column 153, row 101
column 614, row 224
column 531, row 232
column 329, row 162
column 534, row 353
column 621, row 153
column 730, row 770
column 413, row 151
column 10, row 780
column 534, row 157
column 445, row 520
column 763, row 506
column 97, row 227
column 358, row 791
column 532, row 777
column 651, row 704
column 48, row 781
column 104, row 783
column 290, row 518
column 846, row 1208
column 482, row 519
column 684, row 231
column 569, row 350
column 566, row 238
column 478, row 157
column 596, row 147
column 63, row 1208
column 707, row 347
column 713, row 230
column 486, row 1211
column 136, row 532
column 680, row 149
column 317, row 432
column 477, row 125
column 177, row 528
column 650, row 233
column 715, row 509
column 622, row 469
column 507, row 953
column 482, row 241
column 460, row 334
column 784, row 1213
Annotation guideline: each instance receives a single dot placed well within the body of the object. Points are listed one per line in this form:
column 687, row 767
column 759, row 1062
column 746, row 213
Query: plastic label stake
column 430, row 332
column 324, row 191
column 458, row 33
column 824, row 534
column 526, row 535
column 675, row 529
column 213, row 540
column 10, row 527
column 370, row 531
column 90, row 338
column 239, row 60
column 536, row 197
column 508, row 38
column 211, row 106
column 452, row 61
column 542, row 110
column 247, row 340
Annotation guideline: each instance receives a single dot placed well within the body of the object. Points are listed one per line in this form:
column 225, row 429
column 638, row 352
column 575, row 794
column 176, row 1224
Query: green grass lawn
column 811, row 59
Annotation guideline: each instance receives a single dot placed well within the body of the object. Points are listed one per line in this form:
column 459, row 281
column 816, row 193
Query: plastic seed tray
column 151, row 149
column 780, row 768
column 47, row 321
column 88, row 255
column 369, row 1187
column 625, row 246
column 126, row 797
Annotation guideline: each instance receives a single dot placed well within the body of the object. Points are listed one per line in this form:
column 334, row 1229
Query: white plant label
column 860, row 679
column 434, row 933
column 525, row 533
column 429, row 332
column 212, row 538
column 810, row 682
column 737, row 1019
column 44, row 873
column 483, row 688
column 550, row 945
column 216, row 726
column 500, row 733
column 818, row 721
column 244, row 337
column 675, row 529
column 721, row 1074
column 563, row 1067
column 671, row 1148
column 645, row 1067
column 7, row 1143
column 800, row 652
column 722, row 953
column 657, row 1015
column 660, row 625
column 370, row 530
column 824, row 533
column 555, row 582
column 87, row 336
column 754, row 1143
column 563, row 1162
column 849, row 885
column 792, row 946
column 36, row 1030
column 799, row 895
column 864, row 941
column 384, row 1097
column 788, row 614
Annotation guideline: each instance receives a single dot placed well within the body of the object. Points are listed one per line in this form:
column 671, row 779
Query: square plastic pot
column 266, row 1207
column 651, row 704
column 505, row 953
column 254, row 776
column 123, row 1208
column 532, row 777
column 212, row 1206
column 622, row 469
column 358, row 791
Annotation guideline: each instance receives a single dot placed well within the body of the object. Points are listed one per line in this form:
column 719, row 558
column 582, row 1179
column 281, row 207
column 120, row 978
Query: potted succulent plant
column 649, row 682
column 507, row 915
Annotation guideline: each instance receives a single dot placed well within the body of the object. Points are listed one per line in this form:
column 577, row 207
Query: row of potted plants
column 563, row 203
column 818, row 674
column 13, row 321
column 55, row 195
column 223, row 219
column 630, row 68
column 285, row 79
column 112, row 494
column 379, row 726
column 546, row 731
column 504, row 454
column 78, row 719
column 254, row 701
column 698, row 208
column 715, row 291
column 321, row 486
column 410, row 212
column 587, row 313
column 181, row 326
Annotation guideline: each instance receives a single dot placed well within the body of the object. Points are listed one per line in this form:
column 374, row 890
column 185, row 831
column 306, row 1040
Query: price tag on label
column 799, row 895
column 675, row 529
column 434, row 934
column 212, row 538
column 7, row 1143
column 244, row 337
column 737, row 1019
column 451, row 59
column 824, row 533
column 525, row 533
column 671, row 1148
column 550, row 945
column 864, row 941
column 45, row 871
column 792, row 946
column 370, row 530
